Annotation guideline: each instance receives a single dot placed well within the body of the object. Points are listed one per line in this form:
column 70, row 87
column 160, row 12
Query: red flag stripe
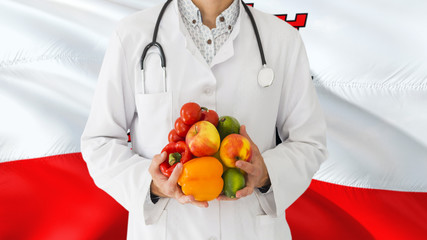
column 331, row 211
column 55, row 198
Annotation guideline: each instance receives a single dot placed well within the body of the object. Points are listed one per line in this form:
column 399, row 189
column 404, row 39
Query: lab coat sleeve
column 114, row 167
column 301, row 125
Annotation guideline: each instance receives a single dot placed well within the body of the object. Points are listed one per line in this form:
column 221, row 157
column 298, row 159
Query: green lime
column 228, row 125
column 233, row 182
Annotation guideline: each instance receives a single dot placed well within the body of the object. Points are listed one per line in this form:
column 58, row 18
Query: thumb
column 245, row 134
column 175, row 174
column 159, row 158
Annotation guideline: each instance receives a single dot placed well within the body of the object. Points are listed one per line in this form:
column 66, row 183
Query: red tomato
column 191, row 113
column 174, row 137
column 181, row 128
column 209, row 115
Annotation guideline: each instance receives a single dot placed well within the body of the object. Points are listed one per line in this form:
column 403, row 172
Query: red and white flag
column 368, row 61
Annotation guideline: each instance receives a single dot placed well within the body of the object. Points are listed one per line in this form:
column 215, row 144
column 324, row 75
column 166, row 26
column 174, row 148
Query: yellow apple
column 203, row 139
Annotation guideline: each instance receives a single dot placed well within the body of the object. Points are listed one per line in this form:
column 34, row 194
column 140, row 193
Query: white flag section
column 369, row 65
column 368, row 59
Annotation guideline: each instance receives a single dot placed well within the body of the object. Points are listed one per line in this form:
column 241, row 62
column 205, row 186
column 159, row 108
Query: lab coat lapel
column 227, row 50
column 191, row 46
column 189, row 43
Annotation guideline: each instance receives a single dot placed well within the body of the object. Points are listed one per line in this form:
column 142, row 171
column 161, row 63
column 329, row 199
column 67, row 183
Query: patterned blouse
column 208, row 41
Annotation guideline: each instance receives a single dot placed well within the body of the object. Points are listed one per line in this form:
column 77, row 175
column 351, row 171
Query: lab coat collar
column 189, row 44
column 192, row 14
column 226, row 51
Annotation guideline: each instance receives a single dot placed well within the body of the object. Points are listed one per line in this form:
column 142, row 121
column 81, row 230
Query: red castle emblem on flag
column 299, row 21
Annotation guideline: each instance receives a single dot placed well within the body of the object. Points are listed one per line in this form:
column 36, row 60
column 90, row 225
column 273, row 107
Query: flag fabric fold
column 55, row 198
column 368, row 65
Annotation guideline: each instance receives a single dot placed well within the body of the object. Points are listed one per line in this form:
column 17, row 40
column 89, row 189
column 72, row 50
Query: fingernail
column 237, row 164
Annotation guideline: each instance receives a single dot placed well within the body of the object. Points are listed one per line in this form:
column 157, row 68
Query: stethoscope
column 265, row 74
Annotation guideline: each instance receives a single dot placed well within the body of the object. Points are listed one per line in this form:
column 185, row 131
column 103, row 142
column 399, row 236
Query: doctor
column 212, row 57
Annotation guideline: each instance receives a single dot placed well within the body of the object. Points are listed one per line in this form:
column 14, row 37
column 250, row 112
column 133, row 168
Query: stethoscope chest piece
column 265, row 76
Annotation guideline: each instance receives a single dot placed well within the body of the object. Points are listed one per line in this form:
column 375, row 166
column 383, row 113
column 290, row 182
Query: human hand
column 163, row 186
column 257, row 174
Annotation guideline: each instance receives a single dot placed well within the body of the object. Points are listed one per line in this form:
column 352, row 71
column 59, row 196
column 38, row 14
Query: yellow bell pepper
column 201, row 177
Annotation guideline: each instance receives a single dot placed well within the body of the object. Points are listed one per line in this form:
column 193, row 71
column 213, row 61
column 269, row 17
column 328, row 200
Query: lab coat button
column 208, row 91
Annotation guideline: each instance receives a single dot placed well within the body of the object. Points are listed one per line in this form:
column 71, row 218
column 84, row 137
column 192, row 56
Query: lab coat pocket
column 272, row 227
column 138, row 230
column 154, row 122
column 265, row 225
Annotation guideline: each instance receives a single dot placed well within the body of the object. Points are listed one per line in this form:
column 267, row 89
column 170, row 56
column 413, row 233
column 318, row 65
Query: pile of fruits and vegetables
column 208, row 147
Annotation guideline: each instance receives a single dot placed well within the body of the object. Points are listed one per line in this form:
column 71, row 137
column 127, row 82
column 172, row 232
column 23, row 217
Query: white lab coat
column 229, row 85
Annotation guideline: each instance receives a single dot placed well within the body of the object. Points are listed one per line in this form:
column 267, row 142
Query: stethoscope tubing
column 162, row 55
column 154, row 42
column 258, row 39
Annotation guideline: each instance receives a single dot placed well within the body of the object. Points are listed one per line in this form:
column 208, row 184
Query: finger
column 245, row 134
column 160, row 158
column 193, row 201
column 157, row 160
column 203, row 204
column 255, row 150
column 168, row 185
column 154, row 168
column 248, row 190
column 248, row 167
column 173, row 179
column 225, row 198
column 183, row 198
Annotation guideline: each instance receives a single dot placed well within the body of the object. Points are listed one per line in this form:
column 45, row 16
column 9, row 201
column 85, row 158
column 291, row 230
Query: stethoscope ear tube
column 162, row 62
column 154, row 43
column 159, row 18
column 162, row 54
column 258, row 39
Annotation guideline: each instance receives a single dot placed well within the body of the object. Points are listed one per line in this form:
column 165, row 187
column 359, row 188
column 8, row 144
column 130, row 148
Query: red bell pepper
column 176, row 152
